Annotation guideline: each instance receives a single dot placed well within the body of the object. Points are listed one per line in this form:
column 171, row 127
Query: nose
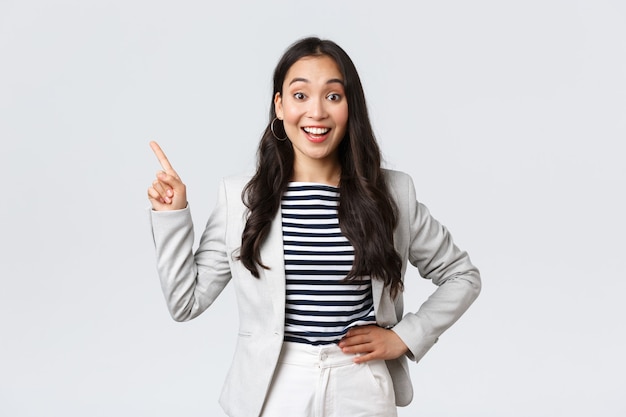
column 317, row 109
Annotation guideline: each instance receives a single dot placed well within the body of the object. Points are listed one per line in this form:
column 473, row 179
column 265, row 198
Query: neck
column 329, row 174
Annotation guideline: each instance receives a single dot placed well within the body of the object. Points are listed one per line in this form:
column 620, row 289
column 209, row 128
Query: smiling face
column 314, row 111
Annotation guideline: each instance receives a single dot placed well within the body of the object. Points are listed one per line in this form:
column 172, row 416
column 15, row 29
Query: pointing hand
column 167, row 191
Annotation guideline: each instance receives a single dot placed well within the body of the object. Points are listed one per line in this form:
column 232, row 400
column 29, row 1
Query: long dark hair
column 367, row 215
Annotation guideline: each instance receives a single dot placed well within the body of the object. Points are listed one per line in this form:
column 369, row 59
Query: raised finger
column 165, row 163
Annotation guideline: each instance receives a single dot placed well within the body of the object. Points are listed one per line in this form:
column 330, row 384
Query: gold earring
column 274, row 133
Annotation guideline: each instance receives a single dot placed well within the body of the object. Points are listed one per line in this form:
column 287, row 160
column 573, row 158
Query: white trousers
column 322, row 381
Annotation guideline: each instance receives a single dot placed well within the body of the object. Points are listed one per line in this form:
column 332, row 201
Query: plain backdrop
column 509, row 115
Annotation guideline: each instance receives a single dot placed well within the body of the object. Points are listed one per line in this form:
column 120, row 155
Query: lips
column 316, row 134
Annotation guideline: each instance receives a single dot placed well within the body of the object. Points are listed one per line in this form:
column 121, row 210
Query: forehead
column 314, row 69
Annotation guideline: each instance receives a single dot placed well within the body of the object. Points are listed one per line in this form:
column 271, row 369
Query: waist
column 320, row 356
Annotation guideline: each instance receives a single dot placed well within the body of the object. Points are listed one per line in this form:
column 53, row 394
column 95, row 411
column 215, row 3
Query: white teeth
column 316, row 130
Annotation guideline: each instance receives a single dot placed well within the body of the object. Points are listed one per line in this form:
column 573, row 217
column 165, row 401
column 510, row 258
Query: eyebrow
column 304, row 80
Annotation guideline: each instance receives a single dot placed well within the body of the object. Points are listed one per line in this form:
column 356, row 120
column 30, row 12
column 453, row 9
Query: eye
column 299, row 96
column 333, row 97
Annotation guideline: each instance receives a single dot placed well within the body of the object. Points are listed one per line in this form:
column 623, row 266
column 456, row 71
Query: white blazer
column 192, row 281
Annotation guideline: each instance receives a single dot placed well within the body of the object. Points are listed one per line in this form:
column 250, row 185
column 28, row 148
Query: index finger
column 165, row 163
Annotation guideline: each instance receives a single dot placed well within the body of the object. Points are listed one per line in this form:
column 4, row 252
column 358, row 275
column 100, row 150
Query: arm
column 428, row 246
column 432, row 250
column 190, row 282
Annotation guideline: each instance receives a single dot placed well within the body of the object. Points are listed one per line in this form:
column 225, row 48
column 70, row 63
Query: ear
column 278, row 105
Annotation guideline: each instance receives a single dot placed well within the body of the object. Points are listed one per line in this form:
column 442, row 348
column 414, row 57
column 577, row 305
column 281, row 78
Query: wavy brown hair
column 367, row 214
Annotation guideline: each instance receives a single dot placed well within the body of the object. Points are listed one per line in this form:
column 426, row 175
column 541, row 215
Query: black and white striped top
column 320, row 306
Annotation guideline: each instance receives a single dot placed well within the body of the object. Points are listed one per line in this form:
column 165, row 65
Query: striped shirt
column 320, row 306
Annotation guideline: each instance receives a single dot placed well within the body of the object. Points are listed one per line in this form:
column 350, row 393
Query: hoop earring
column 274, row 133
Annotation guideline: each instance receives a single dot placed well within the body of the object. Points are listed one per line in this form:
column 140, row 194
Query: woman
column 316, row 244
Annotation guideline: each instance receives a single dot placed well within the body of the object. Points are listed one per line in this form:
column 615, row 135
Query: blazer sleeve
column 191, row 281
column 431, row 249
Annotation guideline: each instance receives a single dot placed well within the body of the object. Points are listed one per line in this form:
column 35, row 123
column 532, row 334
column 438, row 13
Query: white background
column 510, row 116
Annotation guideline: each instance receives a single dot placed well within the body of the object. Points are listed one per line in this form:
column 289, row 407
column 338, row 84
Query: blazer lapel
column 272, row 255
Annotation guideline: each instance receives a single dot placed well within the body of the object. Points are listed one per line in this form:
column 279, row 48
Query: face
column 314, row 110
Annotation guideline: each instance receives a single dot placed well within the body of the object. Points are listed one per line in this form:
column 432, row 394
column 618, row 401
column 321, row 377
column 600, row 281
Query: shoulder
column 397, row 180
column 231, row 189
column 236, row 181
column 401, row 188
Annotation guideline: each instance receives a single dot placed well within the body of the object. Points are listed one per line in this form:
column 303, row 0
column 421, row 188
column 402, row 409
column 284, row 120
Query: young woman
column 316, row 244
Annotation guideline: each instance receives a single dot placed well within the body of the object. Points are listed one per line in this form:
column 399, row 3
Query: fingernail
column 170, row 193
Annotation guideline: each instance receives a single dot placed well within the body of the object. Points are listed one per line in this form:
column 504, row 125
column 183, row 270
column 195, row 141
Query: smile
column 316, row 130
